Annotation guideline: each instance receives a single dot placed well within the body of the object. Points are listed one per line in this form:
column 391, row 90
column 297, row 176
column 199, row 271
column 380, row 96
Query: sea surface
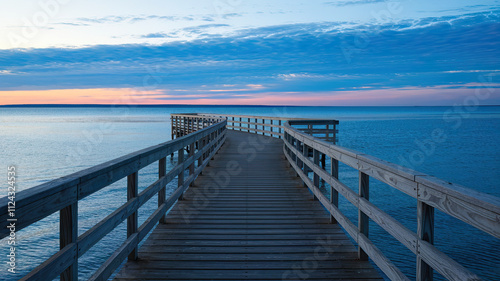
column 45, row 143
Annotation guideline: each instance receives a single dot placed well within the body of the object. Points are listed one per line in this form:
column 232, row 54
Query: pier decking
column 258, row 223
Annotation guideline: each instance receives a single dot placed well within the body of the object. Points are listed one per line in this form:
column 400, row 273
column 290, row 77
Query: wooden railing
column 62, row 195
column 271, row 126
column 203, row 135
column 477, row 209
column 306, row 150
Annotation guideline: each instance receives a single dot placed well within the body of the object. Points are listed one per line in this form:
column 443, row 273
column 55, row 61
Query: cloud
column 295, row 58
column 191, row 31
column 138, row 18
column 343, row 3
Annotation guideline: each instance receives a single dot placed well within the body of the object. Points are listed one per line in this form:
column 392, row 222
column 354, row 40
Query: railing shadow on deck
column 62, row 195
column 307, row 143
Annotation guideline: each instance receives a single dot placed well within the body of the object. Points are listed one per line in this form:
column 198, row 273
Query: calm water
column 46, row 143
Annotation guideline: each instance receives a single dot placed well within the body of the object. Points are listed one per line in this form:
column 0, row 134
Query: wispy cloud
column 343, row 3
column 138, row 18
column 295, row 58
column 188, row 32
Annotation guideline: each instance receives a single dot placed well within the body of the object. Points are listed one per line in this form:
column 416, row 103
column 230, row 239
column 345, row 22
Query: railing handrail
column 63, row 195
column 27, row 196
column 475, row 208
column 485, row 203
column 189, row 122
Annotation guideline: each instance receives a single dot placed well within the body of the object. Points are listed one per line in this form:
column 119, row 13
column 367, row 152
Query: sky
column 260, row 52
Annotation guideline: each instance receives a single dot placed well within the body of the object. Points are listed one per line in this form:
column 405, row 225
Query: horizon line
column 216, row 105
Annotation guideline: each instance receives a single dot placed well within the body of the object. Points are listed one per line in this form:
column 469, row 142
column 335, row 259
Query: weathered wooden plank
column 113, row 262
column 443, row 264
column 162, row 170
column 132, row 220
column 68, row 234
column 386, row 265
column 363, row 221
column 389, row 224
column 425, row 219
column 342, row 241
column 389, row 174
column 56, row 264
column 345, row 191
column 253, row 265
column 239, row 226
column 34, row 209
column 41, row 201
column 168, row 274
column 484, row 215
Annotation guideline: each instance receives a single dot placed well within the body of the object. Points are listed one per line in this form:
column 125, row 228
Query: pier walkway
column 250, row 198
column 248, row 217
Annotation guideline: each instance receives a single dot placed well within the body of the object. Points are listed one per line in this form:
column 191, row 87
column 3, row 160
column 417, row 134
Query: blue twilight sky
column 330, row 52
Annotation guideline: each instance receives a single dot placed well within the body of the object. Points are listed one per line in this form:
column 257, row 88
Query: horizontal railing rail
column 265, row 125
column 476, row 209
column 62, row 195
column 306, row 150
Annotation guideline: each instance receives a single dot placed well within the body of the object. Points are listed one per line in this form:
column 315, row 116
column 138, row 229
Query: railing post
column 68, row 225
column 132, row 183
column 191, row 153
column 200, row 160
column 280, row 130
column 327, row 133
column 297, row 159
column 364, row 187
column 334, row 194
column 305, row 152
column 180, row 177
column 425, row 231
column 315, row 176
column 241, row 124
column 248, row 125
column 162, row 170
column 334, row 133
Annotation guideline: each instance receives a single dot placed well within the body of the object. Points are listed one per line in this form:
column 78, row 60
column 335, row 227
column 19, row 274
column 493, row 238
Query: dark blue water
column 46, row 143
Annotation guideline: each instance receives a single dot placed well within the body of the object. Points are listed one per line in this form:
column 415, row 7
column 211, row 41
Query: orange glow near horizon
column 402, row 96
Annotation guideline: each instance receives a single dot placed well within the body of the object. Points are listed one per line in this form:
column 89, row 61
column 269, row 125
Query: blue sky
column 346, row 52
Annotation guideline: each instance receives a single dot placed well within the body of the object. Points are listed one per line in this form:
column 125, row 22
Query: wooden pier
column 248, row 217
column 248, row 207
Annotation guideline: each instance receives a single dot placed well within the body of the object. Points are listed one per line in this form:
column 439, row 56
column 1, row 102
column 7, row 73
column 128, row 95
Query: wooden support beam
column 162, row 170
column 191, row 153
column 315, row 176
column 68, row 225
column 334, row 194
column 280, row 130
column 180, row 177
column 132, row 222
column 425, row 231
column 363, row 220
